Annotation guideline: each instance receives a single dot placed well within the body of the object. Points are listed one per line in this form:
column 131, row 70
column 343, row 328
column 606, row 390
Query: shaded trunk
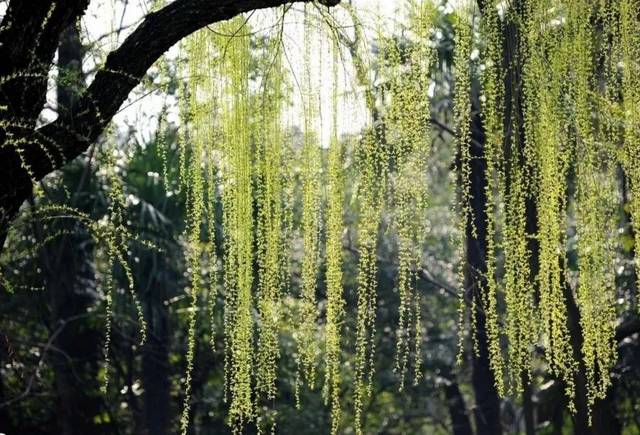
column 487, row 406
column 155, row 378
column 604, row 420
column 5, row 418
column 155, row 357
column 457, row 409
column 76, row 343
column 70, row 77
column 551, row 404
column 75, row 340
column 528, row 410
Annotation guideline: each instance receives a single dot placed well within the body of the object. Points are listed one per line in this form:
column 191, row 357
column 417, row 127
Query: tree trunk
column 457, row 409
column 6, row 422
column 155, row 354
column 604, row 420
column 527, row 409
column 76, row 341
column 487, row 406
column 76, row 344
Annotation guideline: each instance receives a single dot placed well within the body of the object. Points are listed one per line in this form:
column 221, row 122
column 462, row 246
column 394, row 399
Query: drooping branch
column 126, row 66
column 42, row 151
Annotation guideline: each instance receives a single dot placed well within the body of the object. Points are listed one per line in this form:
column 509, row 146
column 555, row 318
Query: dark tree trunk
column 6, row 422
column 76, row 341
column 527, row 408
column 155, row 377
column 155, row 356
column 487, row 402
column 487, row 411
column 604, row 420
column 457, row 409
column 76, row 344
column 70, row 76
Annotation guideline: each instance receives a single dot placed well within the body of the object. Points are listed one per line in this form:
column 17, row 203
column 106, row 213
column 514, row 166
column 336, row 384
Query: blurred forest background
column 53, row 305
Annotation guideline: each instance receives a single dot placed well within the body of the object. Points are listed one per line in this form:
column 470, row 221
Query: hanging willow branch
column 575, row 133
column 43, row 150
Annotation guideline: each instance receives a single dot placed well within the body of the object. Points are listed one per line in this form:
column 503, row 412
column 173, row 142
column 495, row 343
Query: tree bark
column 487, row 406
column 528, row 408
column 457, row 409
column 6, row 422
column 75, row 358
column 155, row 353
column 604, row 419
column 74, row 362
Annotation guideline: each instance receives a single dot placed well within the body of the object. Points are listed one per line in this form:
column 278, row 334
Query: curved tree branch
column 126, row 66
column 41, row 151
column 628, row 328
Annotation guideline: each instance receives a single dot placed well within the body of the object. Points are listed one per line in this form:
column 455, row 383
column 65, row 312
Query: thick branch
column 40, row 152
column 627, row 329
column 29, row 35
column 126, row 66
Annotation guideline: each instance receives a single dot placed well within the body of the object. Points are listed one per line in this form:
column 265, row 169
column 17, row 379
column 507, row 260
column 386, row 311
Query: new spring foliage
column 555, row 122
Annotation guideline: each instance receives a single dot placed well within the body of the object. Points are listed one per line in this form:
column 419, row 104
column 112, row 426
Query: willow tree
column 552, row 116
column 557, row 123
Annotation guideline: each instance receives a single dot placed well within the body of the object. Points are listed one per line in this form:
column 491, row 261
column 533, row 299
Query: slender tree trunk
column 155, row 356
column 487, row 406
column 527, row 407
column 76, row 342
column 457, row 409
column 604, row 420
column 155, row 378
column 70, row 77
column 5, row 418
column 557, row 421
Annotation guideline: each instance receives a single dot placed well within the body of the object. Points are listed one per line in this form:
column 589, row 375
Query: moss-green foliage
column 595, row 204
column 408, row 133
column 272, row 223
column 493, row 113
column 629, row 46
column 580, row 95
column 236, row 161
column 462, row 113
column 199, row 103
column 334, row 228
column 373, row 168
column 574, row 111
column 310, row 225
column 579, row 122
